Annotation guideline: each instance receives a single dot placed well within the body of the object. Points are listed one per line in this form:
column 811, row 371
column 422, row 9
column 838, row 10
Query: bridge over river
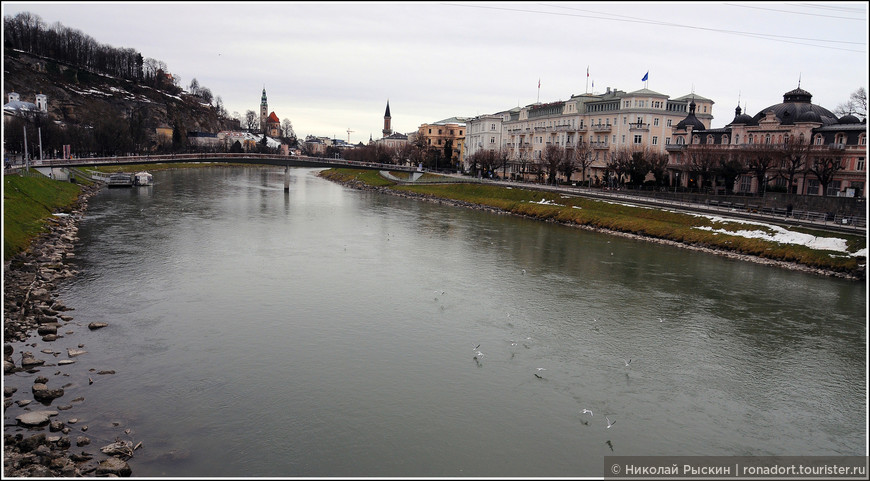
column 850, row 222
column 271, row 159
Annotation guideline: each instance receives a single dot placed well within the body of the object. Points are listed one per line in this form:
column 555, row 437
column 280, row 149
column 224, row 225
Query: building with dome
column 793, row 146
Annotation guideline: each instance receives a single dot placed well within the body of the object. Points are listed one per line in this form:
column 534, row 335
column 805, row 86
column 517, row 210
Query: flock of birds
column 478, row 356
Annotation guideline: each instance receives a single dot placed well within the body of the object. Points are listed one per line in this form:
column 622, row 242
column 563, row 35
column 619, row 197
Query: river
column 326, row 331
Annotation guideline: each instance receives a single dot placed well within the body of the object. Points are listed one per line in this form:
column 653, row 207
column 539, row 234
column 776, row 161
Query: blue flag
column 645, row 76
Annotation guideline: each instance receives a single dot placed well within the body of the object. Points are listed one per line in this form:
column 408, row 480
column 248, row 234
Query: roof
column 689, row 97
column 645, row 92
column 273, row 118
column 17, row 105
column 795, row 103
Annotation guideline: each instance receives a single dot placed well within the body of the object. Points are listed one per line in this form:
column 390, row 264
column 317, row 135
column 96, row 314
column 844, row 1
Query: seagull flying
column 627, row 362
column 587, row 411
column 609, row 422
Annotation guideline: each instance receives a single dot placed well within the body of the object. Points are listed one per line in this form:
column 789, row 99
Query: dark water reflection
column 261, row 333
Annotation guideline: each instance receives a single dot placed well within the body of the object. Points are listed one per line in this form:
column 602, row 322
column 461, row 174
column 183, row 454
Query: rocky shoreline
column 360, row 185
column 39, row 443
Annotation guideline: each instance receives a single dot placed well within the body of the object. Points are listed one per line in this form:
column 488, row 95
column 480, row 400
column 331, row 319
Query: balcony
column 674, row 147
column 600, row 127
column 638, row 127
column 564, row 128
column 837, row 146
column 599, row 145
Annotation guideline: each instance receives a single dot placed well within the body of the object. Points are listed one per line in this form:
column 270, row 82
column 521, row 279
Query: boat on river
column 120, row 179
column 142, row 178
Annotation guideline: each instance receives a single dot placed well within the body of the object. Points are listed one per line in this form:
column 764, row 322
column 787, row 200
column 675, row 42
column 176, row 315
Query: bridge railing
column 216, row 157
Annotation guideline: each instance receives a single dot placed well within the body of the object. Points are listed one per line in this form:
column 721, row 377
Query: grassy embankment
column 683, row 228
column 27, row 203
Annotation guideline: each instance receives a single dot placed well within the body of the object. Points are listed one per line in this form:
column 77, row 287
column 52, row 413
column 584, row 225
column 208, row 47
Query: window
column 724, row 140
column 623, row 139
column 614, row 139
column 656, row 122
column 492, row 140
column 655, row 141
column 833, row 188
column 767, row 139
column 696, row 139
column 430, row 131
column 667, row 141
column 859, row 165
column 639, row 122
column 460, row 133
column 439, row 141
column 638, row 139
column 624, row 120
column 492, row 127
column 745, row 183
column 813, row 187
column 819, row 140
column 669, row 122
column 439, row 131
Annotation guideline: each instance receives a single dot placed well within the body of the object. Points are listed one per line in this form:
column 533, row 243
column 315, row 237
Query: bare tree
column 251, row 120
column 857, row 105
column 552, row 158
column 730, row 166
column 759, row 159
column 287, row 128
column 825, row 164
column 702, row 163
column 568, row 165
column 582, row 158
column 618, row 163
column 795, row 152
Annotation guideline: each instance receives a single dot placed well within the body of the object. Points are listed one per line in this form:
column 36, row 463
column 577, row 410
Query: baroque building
column 269, row 123
column 602, row 123
column 793, row 146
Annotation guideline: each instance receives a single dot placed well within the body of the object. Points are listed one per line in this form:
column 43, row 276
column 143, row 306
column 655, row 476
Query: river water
column 327, row 331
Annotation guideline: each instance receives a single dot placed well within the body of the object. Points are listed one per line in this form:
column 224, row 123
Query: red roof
column 273, row 118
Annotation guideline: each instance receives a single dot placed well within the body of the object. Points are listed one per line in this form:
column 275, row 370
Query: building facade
column 603, row 123
column 793, row 146
column 436, row 136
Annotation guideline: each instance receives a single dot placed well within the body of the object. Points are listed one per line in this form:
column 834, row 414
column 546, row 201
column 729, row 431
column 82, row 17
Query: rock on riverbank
column 30, row 279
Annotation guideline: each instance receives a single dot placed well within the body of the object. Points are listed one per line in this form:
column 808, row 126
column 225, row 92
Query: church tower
column 387, row 130
column 264, row 111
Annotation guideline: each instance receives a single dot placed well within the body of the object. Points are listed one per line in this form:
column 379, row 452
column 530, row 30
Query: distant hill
column 80, row 99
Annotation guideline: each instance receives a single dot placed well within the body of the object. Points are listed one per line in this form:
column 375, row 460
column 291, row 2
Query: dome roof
column 691, row 120
column 849, row 119
column 794, row 104
column 741, row 118
column 810, row 116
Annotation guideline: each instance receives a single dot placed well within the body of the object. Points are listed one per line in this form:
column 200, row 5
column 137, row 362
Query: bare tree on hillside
column 795, row 152
column 251, row 120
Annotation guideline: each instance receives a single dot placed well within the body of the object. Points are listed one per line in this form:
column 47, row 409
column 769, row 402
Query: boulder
column 35, row 418
column 114, row 466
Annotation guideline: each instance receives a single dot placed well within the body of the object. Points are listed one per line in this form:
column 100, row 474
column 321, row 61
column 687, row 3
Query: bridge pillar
column 415, row 176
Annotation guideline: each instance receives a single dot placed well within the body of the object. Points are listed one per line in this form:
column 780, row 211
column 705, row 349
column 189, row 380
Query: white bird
column 524, row 272
column 627, row 362
column 541, row 369
column 661, row 320
column 609, row 422
column 589, row 411
column 478, row 354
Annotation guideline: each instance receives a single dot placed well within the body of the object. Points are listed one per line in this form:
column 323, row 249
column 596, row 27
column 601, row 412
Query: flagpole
column 587, row 79
column 539, row 91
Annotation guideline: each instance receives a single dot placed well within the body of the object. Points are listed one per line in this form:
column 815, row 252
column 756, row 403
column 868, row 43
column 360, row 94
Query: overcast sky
column 330, row 67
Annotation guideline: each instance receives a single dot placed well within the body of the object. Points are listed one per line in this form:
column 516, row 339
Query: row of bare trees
column 28, row 32
column 790, row 160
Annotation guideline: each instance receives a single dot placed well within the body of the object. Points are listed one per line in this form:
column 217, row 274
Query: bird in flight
column 609, row 422
column 589, row 411
column 627, row 362
column 609, row 444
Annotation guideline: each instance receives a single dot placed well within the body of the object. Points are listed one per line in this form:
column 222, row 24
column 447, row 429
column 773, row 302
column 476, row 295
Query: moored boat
column 142, row 178
column 121, row 179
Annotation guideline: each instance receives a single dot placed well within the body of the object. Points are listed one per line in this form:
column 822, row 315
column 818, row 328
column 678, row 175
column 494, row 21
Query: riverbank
column 39, row 443
column 700, row 233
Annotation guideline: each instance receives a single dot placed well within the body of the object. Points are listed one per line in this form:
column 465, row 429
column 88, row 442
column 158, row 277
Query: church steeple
column 387, row 130
column 264, row 110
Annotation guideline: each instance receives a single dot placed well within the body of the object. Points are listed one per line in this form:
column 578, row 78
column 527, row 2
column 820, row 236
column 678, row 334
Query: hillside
column 79, row 98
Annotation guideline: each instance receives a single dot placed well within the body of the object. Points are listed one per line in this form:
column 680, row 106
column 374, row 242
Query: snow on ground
column 781, row 235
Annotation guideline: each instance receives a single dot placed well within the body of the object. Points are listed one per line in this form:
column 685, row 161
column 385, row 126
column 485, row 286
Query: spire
column 387, row 113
